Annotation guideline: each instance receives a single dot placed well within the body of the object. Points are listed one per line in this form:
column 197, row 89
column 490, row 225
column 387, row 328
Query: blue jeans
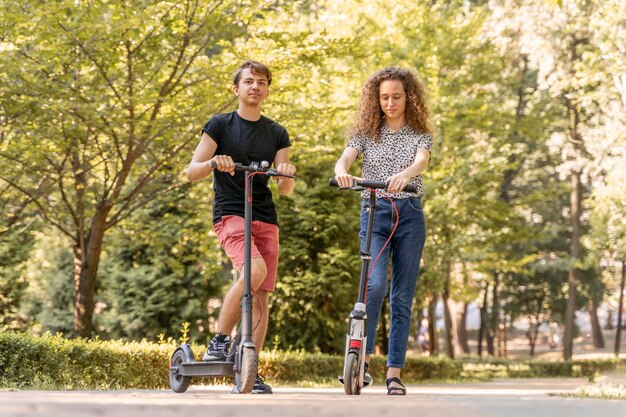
column 405, row 252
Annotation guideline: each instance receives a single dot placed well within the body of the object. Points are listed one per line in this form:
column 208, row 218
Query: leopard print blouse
column 395, row 152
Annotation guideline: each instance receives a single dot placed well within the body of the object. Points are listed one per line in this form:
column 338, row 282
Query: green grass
column 603, row 392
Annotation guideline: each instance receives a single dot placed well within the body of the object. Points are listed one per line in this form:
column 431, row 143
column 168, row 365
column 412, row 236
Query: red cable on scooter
column 393, row 231
column 248, row 194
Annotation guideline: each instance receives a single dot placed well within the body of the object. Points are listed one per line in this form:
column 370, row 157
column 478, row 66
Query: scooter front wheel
column 178, row 383
column 351, row 383
column 246, row 376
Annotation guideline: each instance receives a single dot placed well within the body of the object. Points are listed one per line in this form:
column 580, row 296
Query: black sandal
column 367, row 378
column 392, row 390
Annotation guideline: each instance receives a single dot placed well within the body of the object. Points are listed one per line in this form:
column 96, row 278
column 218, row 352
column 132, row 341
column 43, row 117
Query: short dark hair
column 255, row 67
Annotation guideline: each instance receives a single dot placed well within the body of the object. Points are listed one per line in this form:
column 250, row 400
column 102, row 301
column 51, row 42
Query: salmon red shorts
column 230, row 233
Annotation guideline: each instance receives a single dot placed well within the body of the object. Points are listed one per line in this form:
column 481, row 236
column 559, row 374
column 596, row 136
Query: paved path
column 507, row 398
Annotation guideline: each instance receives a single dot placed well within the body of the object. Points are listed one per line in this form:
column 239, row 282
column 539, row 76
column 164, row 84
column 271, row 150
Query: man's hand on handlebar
column 223, row 163
column 288, row 170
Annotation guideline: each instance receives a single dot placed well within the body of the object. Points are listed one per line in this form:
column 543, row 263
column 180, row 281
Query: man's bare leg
column 231, row 307
column 260, row 318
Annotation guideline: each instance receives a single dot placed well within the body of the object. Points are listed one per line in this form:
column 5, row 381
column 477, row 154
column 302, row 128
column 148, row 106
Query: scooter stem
column 366, row 256
column 246, row 300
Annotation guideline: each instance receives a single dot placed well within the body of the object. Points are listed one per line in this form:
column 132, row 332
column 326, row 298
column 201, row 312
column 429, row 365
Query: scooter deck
column 213, row 368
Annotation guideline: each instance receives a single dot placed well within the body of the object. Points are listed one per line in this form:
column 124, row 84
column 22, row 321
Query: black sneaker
column 260, row 387
column 218, row 348
column 367, row 378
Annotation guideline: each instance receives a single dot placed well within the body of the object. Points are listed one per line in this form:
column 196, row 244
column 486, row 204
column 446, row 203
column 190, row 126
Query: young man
column 244, row 136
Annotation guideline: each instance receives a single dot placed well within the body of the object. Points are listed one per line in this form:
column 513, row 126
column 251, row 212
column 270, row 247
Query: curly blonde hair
column 371, row 117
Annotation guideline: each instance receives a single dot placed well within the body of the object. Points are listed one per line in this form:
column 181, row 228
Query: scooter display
column 356, row 336
column 242, row 359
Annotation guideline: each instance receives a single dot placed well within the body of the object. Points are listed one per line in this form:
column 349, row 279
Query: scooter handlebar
column 410, row 188
column 262, row 167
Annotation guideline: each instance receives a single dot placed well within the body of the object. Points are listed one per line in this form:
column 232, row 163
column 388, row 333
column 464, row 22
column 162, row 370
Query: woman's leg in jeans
column 407, row 246
column 377, row 282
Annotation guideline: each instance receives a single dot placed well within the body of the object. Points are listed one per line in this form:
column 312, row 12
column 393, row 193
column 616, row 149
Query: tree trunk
column 503, row 339
column 417, row 315
column 86, row 261
column 533, row 333
column 572, row 277
column 461, row 328
column 596, row 330
column 432, row 324
column 492, row 328
column 450, row 328
column 609, row 321
column 483, row 320
column 620, row 308
column 448, row 313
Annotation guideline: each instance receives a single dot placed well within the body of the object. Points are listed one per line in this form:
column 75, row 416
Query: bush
column 52, row 362
column 502, row 368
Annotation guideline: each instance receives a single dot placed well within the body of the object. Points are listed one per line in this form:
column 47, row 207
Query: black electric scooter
column 356, row 337
column 242, row 358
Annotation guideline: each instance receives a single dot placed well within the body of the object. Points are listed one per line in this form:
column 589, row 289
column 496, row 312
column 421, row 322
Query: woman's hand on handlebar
column 345, row 180
column 397, row 183
column 223, row 163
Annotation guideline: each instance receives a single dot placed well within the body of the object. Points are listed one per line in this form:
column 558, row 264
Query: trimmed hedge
column 502, row 368
column 52, row 362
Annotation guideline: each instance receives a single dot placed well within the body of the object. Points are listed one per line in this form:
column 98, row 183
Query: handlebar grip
column 410, row 188
column 238, row 166
column 381, row 185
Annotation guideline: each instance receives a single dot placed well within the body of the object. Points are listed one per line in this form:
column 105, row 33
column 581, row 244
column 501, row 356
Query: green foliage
column 300, row 367
column 318, row 269
column 502, row 368
column 47, row 304
column 125, row 91
column 17, row 239
column 52, row 362
column 604, row 391
column 162, row 270
column 15, row 247
column 101, row 104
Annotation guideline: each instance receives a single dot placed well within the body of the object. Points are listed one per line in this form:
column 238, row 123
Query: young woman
column 392, row 135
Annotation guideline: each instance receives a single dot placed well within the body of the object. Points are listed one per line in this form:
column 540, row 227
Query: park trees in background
column 558, row 82
column 576, row 71
column 313, row 95
column 501, row 84
column 16, row 243
column 97, row 100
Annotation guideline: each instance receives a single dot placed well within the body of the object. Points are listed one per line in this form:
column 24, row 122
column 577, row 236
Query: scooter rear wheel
column 178, row 383
column 246, row 376
column 351, row 385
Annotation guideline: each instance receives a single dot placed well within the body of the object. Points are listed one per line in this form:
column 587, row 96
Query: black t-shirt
column 245, row 141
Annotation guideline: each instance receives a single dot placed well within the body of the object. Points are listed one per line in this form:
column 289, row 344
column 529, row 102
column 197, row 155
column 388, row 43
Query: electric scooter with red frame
column 356, row 336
